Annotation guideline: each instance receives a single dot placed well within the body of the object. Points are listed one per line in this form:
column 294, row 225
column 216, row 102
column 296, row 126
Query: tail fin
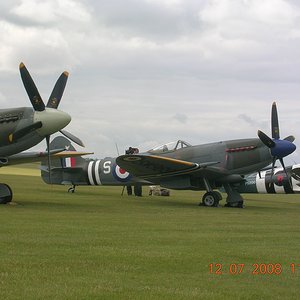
column 61, row 142
column 61, row 162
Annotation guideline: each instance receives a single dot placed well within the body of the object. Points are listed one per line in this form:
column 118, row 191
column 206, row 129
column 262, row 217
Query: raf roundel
column 121, row 174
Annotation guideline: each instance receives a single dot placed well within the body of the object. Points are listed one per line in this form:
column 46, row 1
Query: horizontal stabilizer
column 64, row 154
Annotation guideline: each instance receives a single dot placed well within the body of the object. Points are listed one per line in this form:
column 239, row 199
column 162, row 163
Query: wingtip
column 66, row 73
column 21, row 65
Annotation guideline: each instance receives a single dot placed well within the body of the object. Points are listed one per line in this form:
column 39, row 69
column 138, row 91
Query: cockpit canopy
column 170, row 147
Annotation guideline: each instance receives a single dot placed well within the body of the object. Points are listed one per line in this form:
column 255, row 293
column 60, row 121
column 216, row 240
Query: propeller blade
column 296, row 174
column 265, row 139
column 290, row 138
column 283, row 166
column 49, row 157
column 23, row 131
column 72, row 137
column 274, row 122
column 285, row 171
column 31, row 89
column 273, row 166
column 58, row 90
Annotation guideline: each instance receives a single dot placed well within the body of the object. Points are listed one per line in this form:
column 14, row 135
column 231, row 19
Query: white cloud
column 38, row 46
column 249, row 26
column 272, row 12
column 51, row 11
column 170, row 4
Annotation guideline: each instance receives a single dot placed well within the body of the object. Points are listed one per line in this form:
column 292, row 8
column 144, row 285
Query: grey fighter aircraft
column 211, row 166
column 180, row 165
column 24, row 127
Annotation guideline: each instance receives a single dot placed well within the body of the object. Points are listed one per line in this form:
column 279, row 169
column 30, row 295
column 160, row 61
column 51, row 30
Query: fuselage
column 17, row 119
column 12, row 120
column 241, row 156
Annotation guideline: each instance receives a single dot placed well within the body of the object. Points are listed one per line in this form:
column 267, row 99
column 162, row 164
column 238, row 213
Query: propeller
column 279, row 148
column 48, row 118
column 54, row 99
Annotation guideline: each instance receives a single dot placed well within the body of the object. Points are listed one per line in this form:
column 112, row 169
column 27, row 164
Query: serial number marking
column 254, row 269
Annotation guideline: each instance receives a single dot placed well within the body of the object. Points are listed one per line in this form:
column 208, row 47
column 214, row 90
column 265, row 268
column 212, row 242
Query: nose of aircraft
column 53, row 120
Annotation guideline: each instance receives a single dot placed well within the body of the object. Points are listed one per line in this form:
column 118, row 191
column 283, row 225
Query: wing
column 27, row 157
column 151, row 166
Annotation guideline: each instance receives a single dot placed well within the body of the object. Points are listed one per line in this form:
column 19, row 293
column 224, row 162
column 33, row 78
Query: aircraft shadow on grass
column 222, row 165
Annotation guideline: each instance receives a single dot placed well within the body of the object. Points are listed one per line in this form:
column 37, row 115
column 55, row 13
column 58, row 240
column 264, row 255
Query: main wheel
column 211, row 199
column 5, row 193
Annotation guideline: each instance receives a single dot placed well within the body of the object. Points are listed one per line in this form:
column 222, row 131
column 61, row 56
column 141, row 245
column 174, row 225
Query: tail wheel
column 5, row 193
column 71, row 190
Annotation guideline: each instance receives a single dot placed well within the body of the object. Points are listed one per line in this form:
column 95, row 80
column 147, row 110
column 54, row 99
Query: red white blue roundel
column 120, row 174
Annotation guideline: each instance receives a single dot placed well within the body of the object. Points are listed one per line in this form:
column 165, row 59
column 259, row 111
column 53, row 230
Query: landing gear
column 211, row 199
column 234, row 199
column 5, row 193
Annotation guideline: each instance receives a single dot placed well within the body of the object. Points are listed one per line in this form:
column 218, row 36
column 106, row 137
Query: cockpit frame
column 170, row 147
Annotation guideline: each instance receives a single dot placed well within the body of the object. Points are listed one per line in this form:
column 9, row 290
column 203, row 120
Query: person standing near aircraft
column 129, row 187
column 137, row 187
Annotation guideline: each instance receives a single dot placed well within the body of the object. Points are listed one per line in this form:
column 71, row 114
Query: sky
column 147, row 72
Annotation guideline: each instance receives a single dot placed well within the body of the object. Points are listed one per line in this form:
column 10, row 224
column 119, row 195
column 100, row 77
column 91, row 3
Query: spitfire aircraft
column 24, row 127
column 180, row 165
column 211, row 166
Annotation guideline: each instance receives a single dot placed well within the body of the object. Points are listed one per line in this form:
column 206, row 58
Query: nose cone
column 53, row 120
column 283, row 148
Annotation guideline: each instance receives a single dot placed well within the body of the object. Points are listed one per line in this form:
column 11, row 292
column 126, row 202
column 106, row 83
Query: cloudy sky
column 145, row 72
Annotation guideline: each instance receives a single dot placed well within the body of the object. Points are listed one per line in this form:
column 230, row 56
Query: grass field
column 95, row 244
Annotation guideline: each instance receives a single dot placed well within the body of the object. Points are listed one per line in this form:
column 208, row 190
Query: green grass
column 29, row 169
column 95, row 244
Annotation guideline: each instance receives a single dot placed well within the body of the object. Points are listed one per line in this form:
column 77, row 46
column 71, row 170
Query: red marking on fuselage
column 122, row 171
column 239, row 149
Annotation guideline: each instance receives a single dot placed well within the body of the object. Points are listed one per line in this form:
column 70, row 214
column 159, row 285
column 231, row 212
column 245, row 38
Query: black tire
column 211, row 199
column 6, row 193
